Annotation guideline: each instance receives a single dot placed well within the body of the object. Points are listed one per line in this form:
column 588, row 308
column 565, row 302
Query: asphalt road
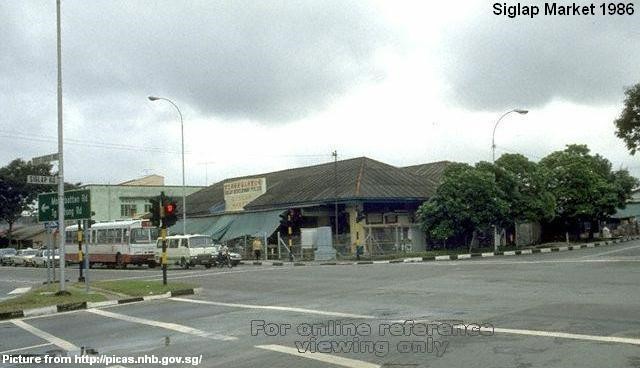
column 569, row 309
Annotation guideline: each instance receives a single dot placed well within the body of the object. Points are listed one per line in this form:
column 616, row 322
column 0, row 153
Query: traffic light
column 155, row 212
column 170, row 216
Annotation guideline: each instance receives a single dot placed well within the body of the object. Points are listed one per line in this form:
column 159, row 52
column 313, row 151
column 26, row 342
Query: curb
column 59, row 308
column 455, row 257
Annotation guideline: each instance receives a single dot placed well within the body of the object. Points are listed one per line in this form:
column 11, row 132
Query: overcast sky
column 268, row 85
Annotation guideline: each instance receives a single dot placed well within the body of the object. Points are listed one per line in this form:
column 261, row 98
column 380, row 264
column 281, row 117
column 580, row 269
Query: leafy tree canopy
column 628, row 124
column 584, row 185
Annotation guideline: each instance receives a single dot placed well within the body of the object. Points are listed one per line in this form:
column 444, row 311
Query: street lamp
column 493, row 137
column 493, row 152
column 184, row 192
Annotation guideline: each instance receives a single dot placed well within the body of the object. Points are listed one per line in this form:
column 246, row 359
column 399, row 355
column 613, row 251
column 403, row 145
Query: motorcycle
column 223, row 259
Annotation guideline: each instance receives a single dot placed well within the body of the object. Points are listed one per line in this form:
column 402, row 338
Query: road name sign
column 44, row 159
column 77, row 205
column 50, row 225
column 39, row 179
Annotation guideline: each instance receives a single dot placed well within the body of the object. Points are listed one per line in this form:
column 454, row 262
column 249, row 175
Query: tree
column 465, row 203
column 15, row 194
column 525, row 187
column 628, row 124
column 584, row 185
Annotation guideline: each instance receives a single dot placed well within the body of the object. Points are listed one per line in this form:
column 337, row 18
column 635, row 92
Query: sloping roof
column 149, row 180
column 630, row 210
column 431, row 171
column 358, row 178
column 28, row 232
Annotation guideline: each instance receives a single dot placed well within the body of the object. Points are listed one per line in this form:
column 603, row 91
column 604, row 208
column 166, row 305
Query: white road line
column 564, row 335
column 611, row 251
column 166, row 325
column 325, row 358
column 274, row 307
column 480, row 263
column 25, row 348
column 21, row 290
column 63, row 344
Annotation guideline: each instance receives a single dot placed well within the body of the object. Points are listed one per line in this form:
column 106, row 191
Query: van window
column 200, row 241
column 173, row 243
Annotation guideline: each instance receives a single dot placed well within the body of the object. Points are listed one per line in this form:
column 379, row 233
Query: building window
column 128, row 210
column 374, row 218
column 391, row 219
column 147, row 208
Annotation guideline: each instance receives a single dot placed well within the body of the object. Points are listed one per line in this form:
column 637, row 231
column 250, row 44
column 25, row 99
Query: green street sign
column 77, row 205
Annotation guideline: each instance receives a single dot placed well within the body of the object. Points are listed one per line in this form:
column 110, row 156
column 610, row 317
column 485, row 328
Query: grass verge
column 45, row 296
column 141, row 287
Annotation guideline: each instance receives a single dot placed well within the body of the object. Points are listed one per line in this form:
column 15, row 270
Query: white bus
column 115, row 243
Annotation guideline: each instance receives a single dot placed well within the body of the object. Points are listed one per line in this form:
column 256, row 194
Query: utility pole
column 61, row 230
column 335, row 190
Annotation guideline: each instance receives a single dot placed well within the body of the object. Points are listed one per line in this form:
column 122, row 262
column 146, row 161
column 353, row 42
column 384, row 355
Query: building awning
column 232, row 226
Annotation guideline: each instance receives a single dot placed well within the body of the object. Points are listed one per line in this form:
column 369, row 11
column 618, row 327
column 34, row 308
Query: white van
column 184, row 250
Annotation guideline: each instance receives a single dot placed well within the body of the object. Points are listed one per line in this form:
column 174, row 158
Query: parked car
column 6, row 256
column 24, row 257
column 42, row 258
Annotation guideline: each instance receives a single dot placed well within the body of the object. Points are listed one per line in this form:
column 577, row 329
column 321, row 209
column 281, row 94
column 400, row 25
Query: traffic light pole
column 163, row 259
column 163, row 235
column 80, row 255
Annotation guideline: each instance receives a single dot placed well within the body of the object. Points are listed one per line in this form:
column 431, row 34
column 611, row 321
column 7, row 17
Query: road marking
column 562, row 335
column 25, row 348
column 166, row 325
column 325, row 358
column 611, row 251
column 63, row 344
column 275, row 307
column 424, row 264
column 21, row 290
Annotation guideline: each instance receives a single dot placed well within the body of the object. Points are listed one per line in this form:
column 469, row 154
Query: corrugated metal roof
column 358, row 178
column 431, row 171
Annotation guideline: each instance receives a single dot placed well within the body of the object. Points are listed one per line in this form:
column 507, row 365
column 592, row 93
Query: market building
column 373, row 205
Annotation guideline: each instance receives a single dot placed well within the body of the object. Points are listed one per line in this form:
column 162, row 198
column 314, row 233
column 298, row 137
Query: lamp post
column 493, row 153
column 493, row 137
column 184, row 192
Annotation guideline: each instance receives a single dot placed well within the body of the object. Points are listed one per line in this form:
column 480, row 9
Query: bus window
column 140, row 236
column 125, row 236
column 101, row 236
column 155, row 233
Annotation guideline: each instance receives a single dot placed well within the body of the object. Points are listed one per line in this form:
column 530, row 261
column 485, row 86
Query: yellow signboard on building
column 239, row 193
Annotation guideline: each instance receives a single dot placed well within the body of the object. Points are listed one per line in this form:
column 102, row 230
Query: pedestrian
column 257, row 248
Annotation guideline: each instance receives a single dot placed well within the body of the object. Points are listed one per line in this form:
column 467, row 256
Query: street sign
column 45, row 180
column 44, row 159
column 77, row 205
column 50, row 225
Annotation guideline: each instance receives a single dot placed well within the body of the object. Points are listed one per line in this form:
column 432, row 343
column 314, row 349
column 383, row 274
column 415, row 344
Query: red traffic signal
column 169, row 209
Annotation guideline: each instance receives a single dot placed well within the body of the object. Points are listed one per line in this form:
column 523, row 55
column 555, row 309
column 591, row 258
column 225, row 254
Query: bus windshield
column 144, row 235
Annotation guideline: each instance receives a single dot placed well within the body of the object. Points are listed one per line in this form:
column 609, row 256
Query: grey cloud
column 268, row 61
column 495, row 62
